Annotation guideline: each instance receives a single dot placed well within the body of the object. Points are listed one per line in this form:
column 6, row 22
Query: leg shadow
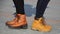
column 29, row 11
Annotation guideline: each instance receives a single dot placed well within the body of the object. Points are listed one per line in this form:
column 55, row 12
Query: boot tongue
column 41, row 20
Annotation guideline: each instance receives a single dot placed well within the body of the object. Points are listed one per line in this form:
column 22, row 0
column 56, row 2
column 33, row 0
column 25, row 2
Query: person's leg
column 39, row 23
column 19, row 4
column 20, row 19
column 40, row 8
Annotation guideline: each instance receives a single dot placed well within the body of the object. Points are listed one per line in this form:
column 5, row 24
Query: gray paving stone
column 52, row 15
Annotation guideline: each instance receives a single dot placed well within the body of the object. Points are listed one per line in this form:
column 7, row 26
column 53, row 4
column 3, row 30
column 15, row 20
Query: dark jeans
column 40, row 8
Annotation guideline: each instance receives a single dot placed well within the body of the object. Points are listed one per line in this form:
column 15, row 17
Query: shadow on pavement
column 29, row 11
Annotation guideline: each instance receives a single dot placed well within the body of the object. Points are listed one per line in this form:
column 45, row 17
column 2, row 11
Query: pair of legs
column 40, row 8
column 20, row 19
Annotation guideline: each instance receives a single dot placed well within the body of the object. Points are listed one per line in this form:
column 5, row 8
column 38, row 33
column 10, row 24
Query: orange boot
column 40, row 25
column 21, row 23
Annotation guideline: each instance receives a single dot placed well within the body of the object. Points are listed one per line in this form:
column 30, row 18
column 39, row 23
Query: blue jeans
column 40, row 8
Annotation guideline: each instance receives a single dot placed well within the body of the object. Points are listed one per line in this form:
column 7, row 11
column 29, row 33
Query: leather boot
column 40, row 25
column 21, row 23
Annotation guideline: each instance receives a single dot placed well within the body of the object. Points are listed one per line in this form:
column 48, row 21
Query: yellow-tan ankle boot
column 40, row 26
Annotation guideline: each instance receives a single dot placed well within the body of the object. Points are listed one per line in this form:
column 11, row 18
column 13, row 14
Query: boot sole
column 19, row 27
column 38, row 30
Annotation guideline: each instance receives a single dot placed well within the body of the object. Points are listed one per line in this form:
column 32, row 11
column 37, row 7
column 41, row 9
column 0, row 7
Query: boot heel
column 24, row 26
